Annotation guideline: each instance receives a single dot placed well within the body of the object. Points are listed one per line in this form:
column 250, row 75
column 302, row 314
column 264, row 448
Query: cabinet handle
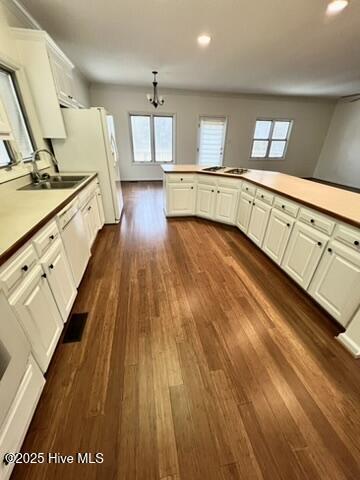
column 356, row 243
column 312, row 221
column 25, row 268
column 288, row 224
column 51, row 237
column 329, row 250
column 320, row 244
column 51, row 266
column 44, row 275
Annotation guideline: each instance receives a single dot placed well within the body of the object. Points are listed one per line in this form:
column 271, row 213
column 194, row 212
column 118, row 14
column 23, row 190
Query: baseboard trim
column 349, row 344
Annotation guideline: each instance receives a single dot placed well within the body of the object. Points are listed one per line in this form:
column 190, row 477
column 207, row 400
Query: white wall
column 339, row 160
column 311, row 121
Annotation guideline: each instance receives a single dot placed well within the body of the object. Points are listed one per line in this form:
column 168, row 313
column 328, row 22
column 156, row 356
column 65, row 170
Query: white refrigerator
column 90, row 146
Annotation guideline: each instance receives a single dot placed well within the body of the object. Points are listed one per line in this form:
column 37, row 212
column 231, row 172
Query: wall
column 311, row 121
column 339, row 160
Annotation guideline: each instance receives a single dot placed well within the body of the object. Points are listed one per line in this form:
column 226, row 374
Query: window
column 271, row 138
column 152, row 138
column 17, row 119
column 211, row 140
column 5, row 158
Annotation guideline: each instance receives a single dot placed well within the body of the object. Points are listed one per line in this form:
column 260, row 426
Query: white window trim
column 152, row 137
column 273, row 120
column 222, row 117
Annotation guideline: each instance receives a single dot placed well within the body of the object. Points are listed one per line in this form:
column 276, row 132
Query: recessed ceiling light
column 336, row 6
column 204, row 40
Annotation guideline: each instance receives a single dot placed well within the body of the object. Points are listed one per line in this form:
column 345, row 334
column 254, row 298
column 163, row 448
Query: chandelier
column 154, row 98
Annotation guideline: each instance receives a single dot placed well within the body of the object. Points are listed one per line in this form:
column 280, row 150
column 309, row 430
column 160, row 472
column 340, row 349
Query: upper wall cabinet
column 49, row 74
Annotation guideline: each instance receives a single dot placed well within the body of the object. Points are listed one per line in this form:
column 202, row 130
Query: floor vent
column 75, row 328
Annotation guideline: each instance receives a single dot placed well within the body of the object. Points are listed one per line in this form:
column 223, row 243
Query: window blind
column 211, row 141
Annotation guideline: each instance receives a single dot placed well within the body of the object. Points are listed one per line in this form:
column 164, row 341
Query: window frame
column 270, row 139
column 152, row 137
column 216, row 117
column 11, row 145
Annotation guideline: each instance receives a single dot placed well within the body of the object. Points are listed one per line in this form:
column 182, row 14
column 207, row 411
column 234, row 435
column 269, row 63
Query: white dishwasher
column 75, row 240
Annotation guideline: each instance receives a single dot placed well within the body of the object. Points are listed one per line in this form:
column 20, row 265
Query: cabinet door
column 60, row 278
column 277, row 235
column 38, row 314
column 244, row 212
column 100, row 208
column 336, row 283
column 303, row 253
column 205, row 201
column 5, row 128
column 95, row 216
column 226, row 203
column 181, row 199
column 258, row 221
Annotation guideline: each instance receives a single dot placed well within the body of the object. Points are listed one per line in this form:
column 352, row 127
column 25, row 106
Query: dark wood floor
column 200, row 360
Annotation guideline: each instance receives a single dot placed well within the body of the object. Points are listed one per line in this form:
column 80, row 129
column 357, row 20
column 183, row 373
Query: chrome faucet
column 36, row 176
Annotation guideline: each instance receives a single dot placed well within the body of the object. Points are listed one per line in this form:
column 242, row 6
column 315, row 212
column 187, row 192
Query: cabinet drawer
column 286, row 206
column 87, row 192
column 180, row 178
column 45, row 238
column 248, row 188
column 17, row 268
column 264, row 196
column 207, row 180
column 349, row 236
column 320, row 222
column 20, row 413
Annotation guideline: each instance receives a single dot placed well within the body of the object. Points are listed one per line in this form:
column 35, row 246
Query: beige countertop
column 23, row 212
column 333, row 201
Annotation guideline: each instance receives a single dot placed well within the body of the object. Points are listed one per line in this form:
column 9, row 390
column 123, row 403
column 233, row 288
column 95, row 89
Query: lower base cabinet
column 61, row 281
column 277, row 235
column 205, row 201
column 303, row 253
column 244, row 212
column 336, row 283
column 226, row 203
column 38, row 314
column 258, row 222
column 16, row 423
column 181, row 199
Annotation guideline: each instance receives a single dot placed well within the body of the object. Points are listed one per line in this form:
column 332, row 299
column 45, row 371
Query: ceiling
column 258, row 46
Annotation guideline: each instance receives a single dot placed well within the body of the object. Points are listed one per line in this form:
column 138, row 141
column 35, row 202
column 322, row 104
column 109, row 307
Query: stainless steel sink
column 58, row 185
column 68, row 178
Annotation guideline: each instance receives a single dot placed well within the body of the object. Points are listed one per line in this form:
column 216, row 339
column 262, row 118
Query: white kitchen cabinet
column 100, row 208
column 205, row 201
column 277, row 235
column 258, row 221
column 92, row 219
column 244, row 211
column 226, row 203
column 5, row 128
column 60, row 278
column 63, row 79
column 18, row 417
column 38, row 314
column 181, row 199
column 336, row 283
column 303, row 253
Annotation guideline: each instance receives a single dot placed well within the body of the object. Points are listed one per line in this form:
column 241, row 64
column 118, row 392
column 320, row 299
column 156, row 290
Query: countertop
column 24, row 212
column 335, row 202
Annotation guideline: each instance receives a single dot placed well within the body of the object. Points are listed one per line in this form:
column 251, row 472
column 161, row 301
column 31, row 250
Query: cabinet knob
column 89, row 208
column 246, row 188
column 213, row 191
column 25, row 268
column 282, row 206
column 312, row 221
column 218, row 191
column 320, row 244
column 262, row 196
column 192, row 188
column 250, row 202
column 329, row 250
column 44, row 275
column 51, row 237
column 356, row 242
column 288, row 224
column 51, row 266
column 253, row 203
column 181, row 179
